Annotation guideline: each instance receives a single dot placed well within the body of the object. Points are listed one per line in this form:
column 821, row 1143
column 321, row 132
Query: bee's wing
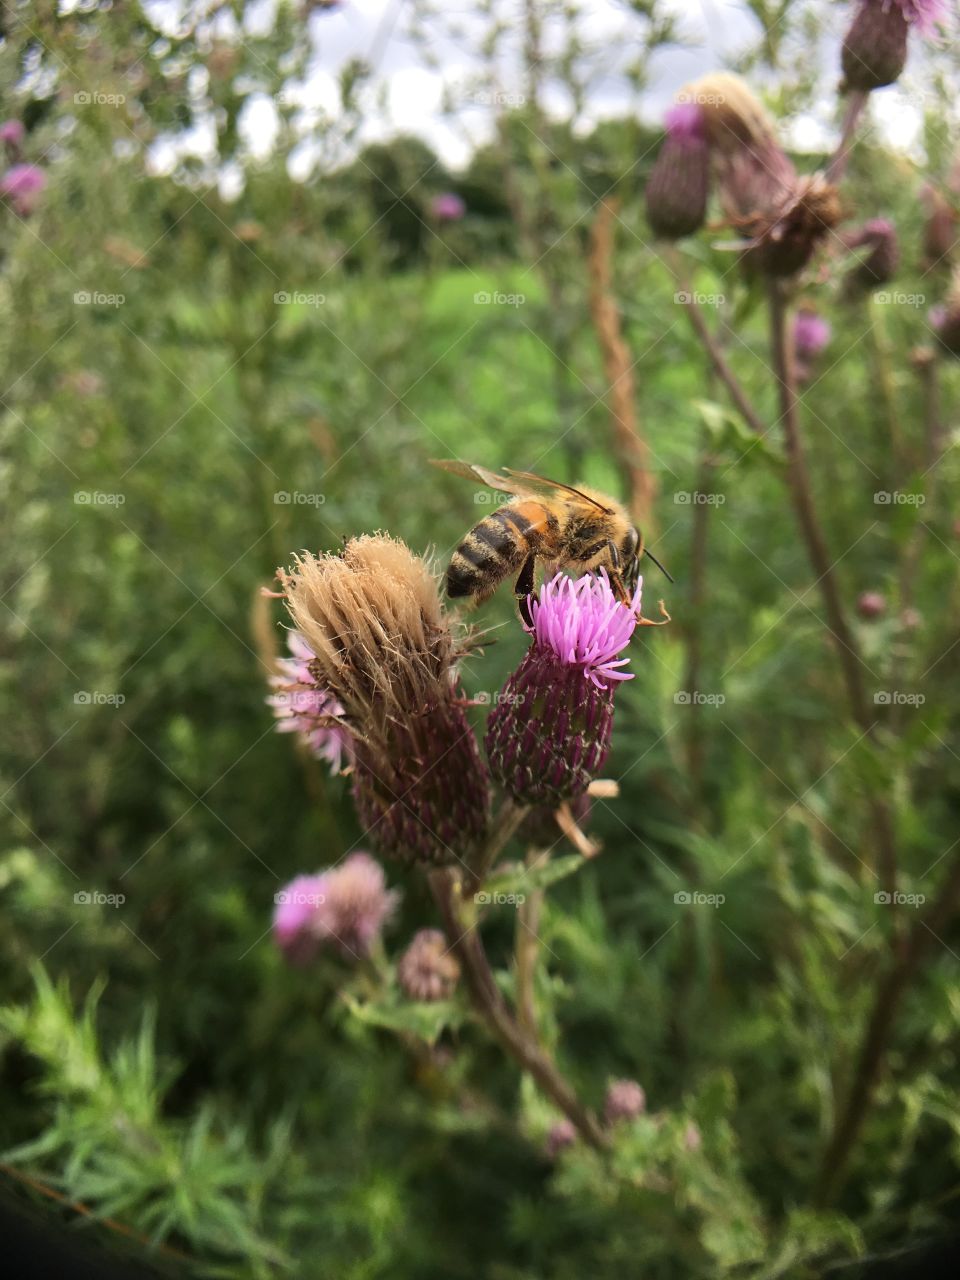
column 540, row 484
column 492, row 479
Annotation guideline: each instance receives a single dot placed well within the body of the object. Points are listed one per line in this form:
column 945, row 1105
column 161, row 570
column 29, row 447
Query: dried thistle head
column 384, row 649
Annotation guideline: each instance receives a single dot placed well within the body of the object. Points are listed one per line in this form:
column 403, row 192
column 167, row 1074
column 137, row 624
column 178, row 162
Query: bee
column 545, row 520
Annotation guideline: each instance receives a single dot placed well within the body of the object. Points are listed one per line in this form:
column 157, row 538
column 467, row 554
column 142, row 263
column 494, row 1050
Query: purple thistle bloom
column 550, row 731
column 21, row 185
column 679, row 184
column 12, row 132
column 625, row 1101
column 344, row 907
column 811, row 333
column 561, row 1135
column 448, row 207
column 428, row 969
column 925, row 15
column 302, row 707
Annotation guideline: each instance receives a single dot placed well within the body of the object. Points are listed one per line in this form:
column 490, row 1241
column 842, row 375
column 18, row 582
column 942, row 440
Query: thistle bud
column 875, row 47
column 562, row 1134
column 384, row 650
column 679, row 182
column 871, row 605
column 880, row 261
column 344, row 908
column 550, row 731
column 625, row 1100
column 428, row 969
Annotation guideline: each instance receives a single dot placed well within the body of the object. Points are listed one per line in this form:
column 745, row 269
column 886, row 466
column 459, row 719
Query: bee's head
column 630, row 558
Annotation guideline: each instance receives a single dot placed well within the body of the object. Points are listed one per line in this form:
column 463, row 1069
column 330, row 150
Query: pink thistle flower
column 448, row 207
column 302, row 707
column 428, row 969
column 344, row 907
column 561, row 1135
column 12, row 133
column 811, row 333
column 871, row 605
column 625, row 1100
column 550, row 731
column 22, row 185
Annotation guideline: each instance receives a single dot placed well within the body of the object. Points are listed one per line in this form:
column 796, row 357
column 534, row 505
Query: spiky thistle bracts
column 550, row 731
column 679, row 184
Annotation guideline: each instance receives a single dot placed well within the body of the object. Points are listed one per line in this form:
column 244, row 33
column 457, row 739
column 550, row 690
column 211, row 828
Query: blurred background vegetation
column 161, row 1064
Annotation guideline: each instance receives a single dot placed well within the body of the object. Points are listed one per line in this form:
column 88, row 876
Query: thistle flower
column 448, row 207
column 344, row 907
column 12, row 134
column 879, row 264
column 679, row 182
column 384, row 650
column 871, row 605
column 302, row 707
column 625, row 1100
column 561, row 1135
column 21, row 185
column 781, row 215
column 811, row 333
column 550, row 731
column 428, row 969
column 875, row 47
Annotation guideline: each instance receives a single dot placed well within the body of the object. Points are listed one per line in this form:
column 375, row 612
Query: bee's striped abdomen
column 491, row 550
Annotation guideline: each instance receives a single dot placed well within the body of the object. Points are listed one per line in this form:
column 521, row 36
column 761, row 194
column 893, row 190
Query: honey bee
column 544, row 520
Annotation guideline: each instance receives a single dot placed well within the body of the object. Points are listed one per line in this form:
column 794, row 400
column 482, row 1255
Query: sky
column 714, row 32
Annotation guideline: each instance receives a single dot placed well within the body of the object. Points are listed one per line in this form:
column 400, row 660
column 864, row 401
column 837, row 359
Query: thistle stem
column 505, row 823
column 527, row 949
column 851, row 118
column 493, row 1009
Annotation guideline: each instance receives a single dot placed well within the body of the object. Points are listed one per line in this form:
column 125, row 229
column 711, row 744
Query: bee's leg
column 614, row 553
column 524, row 588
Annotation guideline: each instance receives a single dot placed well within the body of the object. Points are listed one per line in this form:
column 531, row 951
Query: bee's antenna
column 649, row 553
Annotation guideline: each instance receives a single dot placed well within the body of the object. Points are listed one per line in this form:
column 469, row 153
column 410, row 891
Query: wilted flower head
column 679, row 184
column 550, row 731
column 878, row 265
column 428, row 969
column 561, row 1135
column 21, row 185
column 344, row 907
column 384, row 650
column 875, row 47
column 301, row 706
column 448, row 207
column 781, row 215
column 625, row 1100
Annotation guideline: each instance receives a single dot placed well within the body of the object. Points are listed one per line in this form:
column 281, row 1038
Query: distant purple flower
column 625, row 1100
column 302, row 707
column 870, row 605
column 550, row 730
column 448, row 207
column 692, row 1138
column 811, row 333
column 21, row 185
column 428, row 969
column 344, row 907
column 12, row 132
column 562, row 1134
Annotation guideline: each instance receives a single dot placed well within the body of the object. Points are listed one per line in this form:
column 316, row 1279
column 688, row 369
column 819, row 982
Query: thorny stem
column 488, row 1000
column 505, row 823
column 851, row 117
column 889, row 994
